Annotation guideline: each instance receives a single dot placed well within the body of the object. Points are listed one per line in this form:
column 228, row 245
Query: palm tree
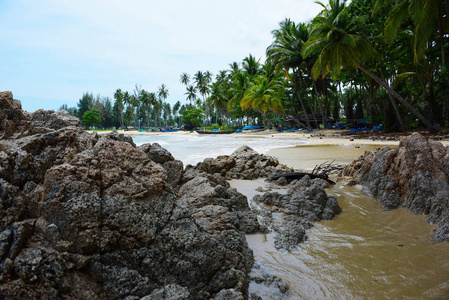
column 427, row 17
column 163, row 92
column 184, row 79
column 251, row 65
column 263, row 95
column 285, row 53
column 239, row 86
column 340, row 43
column 191, row 93
column 234, row 68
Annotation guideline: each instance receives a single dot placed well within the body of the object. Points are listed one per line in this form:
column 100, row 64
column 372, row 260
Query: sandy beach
column 319, row 147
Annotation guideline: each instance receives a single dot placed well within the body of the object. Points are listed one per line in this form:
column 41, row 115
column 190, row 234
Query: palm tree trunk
column 298, row 92
column 398, row 97
column 395, row 107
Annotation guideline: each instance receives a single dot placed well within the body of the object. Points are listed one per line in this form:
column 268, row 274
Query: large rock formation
column 85, row 216
column 414, row 176
column 290, row 214
column 244, row 163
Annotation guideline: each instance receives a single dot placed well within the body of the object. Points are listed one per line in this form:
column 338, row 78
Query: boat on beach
column 214, row 132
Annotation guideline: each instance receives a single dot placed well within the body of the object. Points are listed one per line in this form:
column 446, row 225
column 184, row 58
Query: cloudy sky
column 52, row 51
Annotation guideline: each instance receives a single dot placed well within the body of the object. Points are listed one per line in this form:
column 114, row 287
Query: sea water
column 194, row 148
column 364, row 253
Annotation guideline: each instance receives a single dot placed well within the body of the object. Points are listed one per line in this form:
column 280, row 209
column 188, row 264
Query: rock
column 290, row 214
column 244, row 163
column 266, row 286
column 85, row 216
column 53, row 119
column 13, row 121
column 414, row 176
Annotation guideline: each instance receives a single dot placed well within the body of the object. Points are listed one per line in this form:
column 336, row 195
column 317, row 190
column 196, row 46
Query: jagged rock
column 85, row 216
column 13, row 121
column 53, row 119
column 414, row 176
column 291, row 213
column 265, row 285
column 244, row 163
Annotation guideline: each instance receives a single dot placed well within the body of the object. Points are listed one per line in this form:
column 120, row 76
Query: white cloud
column 68, row 47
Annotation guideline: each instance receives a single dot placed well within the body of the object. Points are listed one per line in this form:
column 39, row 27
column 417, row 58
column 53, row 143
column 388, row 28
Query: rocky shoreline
column 88, row 216
column 413, row 176
column 93, row 216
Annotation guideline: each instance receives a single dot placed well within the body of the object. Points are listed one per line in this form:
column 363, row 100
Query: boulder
column 13, row 121
column 85, row 216
column 290, row 214
column 53, row 119
column 414, row 176
column 244, row 163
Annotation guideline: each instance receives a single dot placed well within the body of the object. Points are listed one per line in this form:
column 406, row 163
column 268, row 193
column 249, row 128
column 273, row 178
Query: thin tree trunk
column 399, row 97
column 321, row 105
column 395, row 107
column 298, row 92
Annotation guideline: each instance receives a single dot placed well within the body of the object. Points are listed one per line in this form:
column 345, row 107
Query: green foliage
column 193, row 116
column 91, row 118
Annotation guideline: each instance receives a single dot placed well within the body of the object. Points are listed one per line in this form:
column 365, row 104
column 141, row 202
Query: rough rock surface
column 244, row 163
column 265, row 286
column 85, row 216
column 53, row 119
column 13, row 121
column 290, row 214
column 414, row 176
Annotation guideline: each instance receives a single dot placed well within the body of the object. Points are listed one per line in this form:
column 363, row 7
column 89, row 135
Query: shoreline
column 319, row 137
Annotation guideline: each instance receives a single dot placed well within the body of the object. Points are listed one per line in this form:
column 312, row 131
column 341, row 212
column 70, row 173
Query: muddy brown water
column 364, row 253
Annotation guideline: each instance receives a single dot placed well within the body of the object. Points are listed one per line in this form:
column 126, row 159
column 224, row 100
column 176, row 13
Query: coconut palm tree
column 191, row 93
column 251, row 65
column 185, row 79
column 263, row 95
column 162, row 92
column 340, row 43
column 285, row 53
column 427, row 17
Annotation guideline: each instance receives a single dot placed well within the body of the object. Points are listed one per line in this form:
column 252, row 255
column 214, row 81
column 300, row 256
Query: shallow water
column 194, row 148
column 364, row 253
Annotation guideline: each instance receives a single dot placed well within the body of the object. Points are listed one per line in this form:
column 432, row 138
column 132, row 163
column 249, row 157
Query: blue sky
column 52, row 51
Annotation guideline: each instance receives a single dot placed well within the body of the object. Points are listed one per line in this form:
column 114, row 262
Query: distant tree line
column 366, row 62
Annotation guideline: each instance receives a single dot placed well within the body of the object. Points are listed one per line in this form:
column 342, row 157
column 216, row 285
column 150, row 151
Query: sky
column 53, row 51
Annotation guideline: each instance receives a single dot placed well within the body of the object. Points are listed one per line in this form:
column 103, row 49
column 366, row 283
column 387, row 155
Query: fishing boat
column 170, row 130
column 215, row 132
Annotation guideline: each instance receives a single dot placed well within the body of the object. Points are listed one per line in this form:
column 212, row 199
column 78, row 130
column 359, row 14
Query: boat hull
column 214, row 132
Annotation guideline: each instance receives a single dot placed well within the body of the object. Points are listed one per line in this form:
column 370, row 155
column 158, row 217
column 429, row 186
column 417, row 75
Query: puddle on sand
column 365, row 252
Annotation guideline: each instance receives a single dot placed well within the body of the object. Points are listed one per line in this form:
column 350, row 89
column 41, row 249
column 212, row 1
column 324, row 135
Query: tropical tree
column 340, row 42
column 263, row 95
column 285, row 53
column 185, row 79
column 251, row 65
column 191, row 93
column 91, row 118
column 427, row 17
column 119, row 107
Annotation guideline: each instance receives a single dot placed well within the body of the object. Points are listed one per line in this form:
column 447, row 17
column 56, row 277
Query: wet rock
column 266, row 286
column 291, row 213
column 414, row 176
